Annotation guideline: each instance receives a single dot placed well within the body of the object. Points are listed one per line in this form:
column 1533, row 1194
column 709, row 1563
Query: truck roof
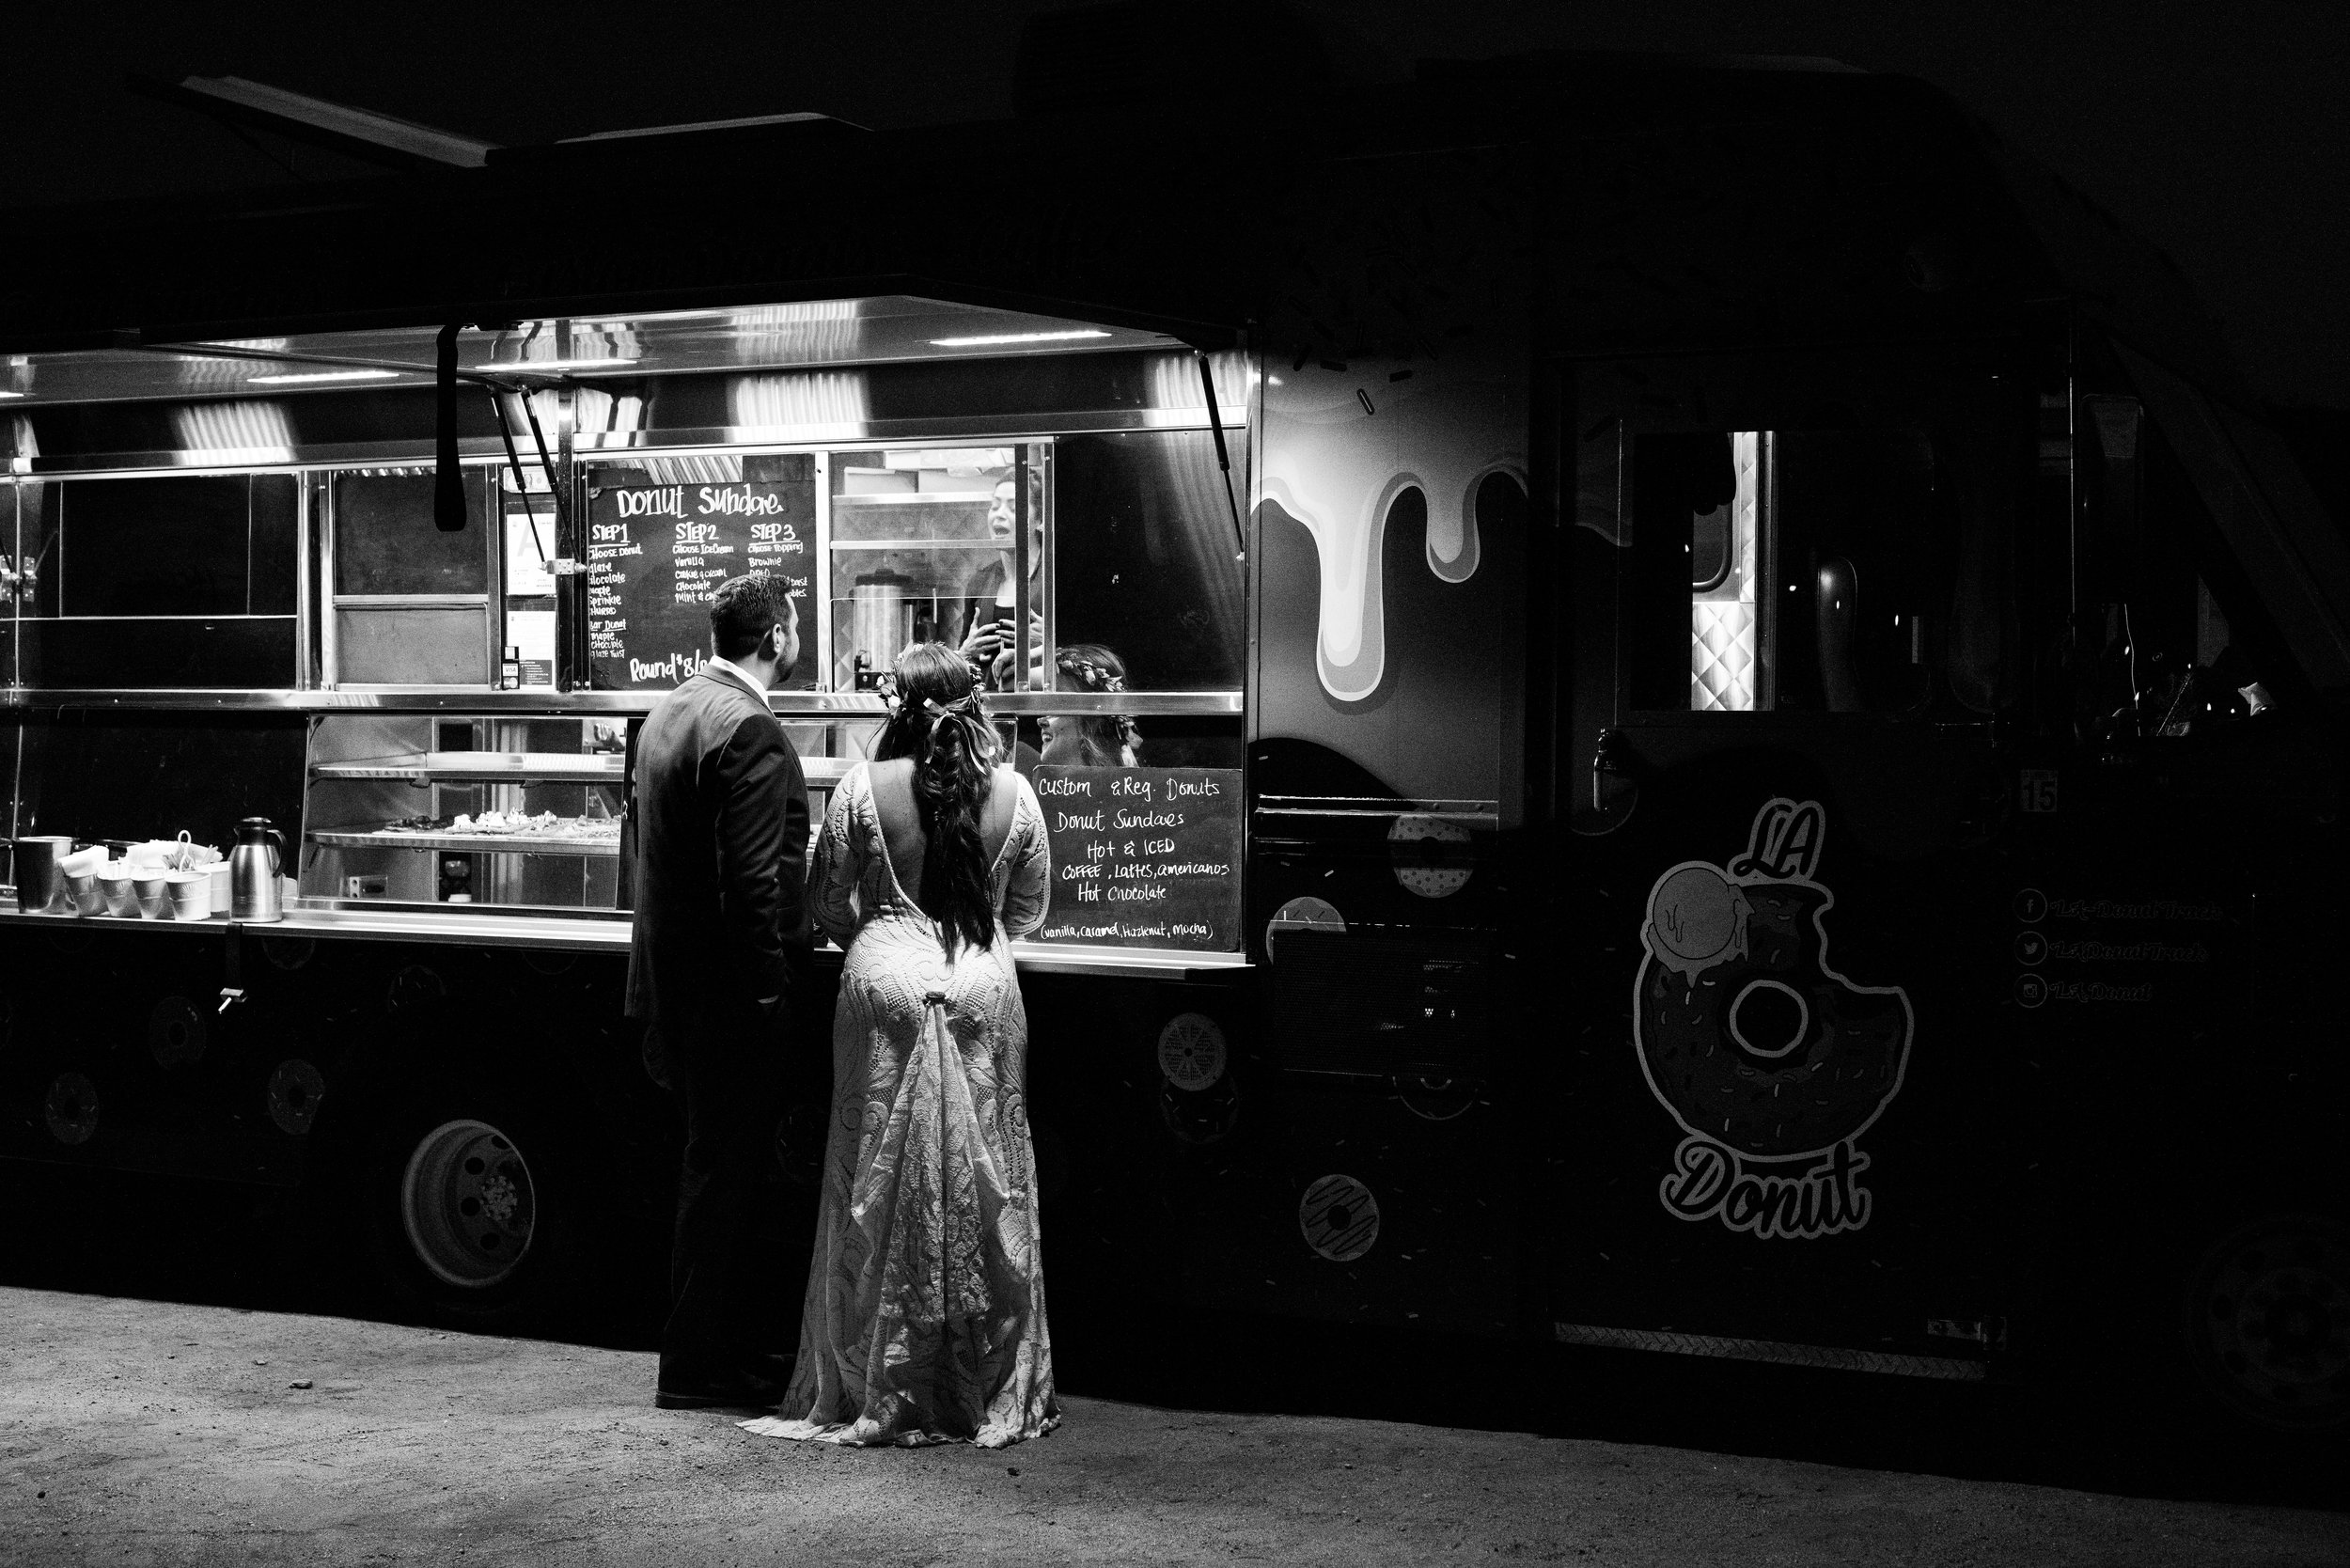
column 1655, row 205
column 1850, row 201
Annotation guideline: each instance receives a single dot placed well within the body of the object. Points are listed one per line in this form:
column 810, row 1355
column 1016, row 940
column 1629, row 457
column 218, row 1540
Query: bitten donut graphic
column 1771, row 1060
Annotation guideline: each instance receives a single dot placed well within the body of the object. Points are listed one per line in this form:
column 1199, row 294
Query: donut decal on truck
column 1772, row 1062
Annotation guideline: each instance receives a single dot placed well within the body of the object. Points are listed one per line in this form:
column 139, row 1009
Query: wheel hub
column 468, row 1204
column 2271, row 1320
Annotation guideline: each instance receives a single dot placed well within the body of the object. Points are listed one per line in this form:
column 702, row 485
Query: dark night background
column 2217, row 132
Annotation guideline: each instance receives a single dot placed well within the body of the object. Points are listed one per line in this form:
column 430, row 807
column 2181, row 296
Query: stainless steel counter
column 584, row 932
column 483, row 929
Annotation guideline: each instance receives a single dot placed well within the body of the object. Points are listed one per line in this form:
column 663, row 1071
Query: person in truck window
column 1088, row 740
column 924, row 1318
column 720, row 934
column 987, row 593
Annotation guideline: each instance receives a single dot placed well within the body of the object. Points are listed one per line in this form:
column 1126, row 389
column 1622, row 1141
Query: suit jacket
column 720, row 819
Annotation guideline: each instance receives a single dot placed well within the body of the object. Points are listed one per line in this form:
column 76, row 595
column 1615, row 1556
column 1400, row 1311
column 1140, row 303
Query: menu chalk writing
column 1143, row 857
column 656, row 553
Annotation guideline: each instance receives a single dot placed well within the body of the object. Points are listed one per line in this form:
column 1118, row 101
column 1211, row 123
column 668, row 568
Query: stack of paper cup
column 122, row 895
column 191, row 894
column 81, row 871
column 154, row 893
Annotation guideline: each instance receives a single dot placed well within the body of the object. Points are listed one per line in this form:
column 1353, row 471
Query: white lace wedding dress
column 924, row 1319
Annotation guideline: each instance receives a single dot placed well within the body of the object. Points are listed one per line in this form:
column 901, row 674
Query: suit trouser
column 728, row 1248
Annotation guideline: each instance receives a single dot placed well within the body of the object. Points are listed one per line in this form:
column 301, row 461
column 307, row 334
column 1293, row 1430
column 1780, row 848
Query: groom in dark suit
column 720, row 935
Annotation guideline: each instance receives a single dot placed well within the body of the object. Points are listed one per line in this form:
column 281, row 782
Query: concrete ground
column 136, row 1432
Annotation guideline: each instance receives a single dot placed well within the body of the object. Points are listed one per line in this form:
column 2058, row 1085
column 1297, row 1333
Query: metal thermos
column 253, row 871
column 40, row 885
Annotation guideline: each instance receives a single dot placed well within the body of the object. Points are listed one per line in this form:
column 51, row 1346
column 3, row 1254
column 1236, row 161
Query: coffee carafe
column 253, row 870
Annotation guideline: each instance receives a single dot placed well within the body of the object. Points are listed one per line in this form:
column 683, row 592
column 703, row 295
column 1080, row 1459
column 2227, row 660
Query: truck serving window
column 1144, row 560
column 926, row 547
column 175, row 580
column 411, row 604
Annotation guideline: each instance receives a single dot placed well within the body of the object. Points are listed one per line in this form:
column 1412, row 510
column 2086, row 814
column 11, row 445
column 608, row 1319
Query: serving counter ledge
column 587, row 932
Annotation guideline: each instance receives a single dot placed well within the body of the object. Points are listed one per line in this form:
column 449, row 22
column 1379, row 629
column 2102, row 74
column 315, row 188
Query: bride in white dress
column 924, row 1319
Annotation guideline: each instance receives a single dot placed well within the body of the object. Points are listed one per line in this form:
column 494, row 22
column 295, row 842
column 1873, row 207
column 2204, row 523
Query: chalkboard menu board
column 656, row 553
column 1143, row 857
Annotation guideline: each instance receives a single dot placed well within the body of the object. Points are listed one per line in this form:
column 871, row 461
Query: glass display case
column 520, row 811
column 484, row 809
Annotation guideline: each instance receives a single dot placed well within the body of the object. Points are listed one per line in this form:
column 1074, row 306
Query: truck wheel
column 2268, row 1322
column 468, row 1205
column 474, row 1209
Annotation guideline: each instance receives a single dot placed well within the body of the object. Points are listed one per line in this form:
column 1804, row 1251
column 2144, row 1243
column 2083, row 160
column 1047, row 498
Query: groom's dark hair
column 744, row 609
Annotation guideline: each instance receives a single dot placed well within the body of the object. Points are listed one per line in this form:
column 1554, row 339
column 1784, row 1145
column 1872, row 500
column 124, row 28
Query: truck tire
column 476, row 1201
column 2266, row 1322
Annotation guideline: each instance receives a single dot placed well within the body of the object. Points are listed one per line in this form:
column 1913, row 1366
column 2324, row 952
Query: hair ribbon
column 964, row 712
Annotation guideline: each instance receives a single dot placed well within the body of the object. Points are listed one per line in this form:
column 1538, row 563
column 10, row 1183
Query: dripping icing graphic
column 1342, row 446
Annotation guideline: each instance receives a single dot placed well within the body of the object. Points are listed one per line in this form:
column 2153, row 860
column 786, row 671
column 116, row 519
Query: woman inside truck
column 987, row 597
column 1089, row 739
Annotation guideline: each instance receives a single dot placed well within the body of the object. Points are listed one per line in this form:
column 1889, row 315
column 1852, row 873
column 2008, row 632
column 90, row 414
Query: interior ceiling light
column 528, row 365
column 294, row 377
column 11, row 394
column 995, row 337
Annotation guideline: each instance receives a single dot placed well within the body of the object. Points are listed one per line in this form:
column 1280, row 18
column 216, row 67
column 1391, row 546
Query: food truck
column 1737, row 726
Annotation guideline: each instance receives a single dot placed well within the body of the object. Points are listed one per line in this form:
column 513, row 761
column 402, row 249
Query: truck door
column 1795, row 628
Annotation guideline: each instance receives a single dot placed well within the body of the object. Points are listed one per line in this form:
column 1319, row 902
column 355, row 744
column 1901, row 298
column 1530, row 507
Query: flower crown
column 1095, row 677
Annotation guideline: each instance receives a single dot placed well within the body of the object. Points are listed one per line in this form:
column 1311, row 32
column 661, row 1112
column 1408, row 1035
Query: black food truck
column 1728, row 736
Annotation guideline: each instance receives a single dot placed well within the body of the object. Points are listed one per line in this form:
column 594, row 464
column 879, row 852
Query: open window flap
column 2298, row 561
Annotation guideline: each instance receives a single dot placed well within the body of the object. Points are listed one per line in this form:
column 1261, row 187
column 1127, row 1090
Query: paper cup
column 122, row 895
column 154, row 893
column 191, row 895
column 89, row 897
column 218, row 873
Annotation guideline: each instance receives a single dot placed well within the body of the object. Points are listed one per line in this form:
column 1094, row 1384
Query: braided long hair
column 938, row 722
